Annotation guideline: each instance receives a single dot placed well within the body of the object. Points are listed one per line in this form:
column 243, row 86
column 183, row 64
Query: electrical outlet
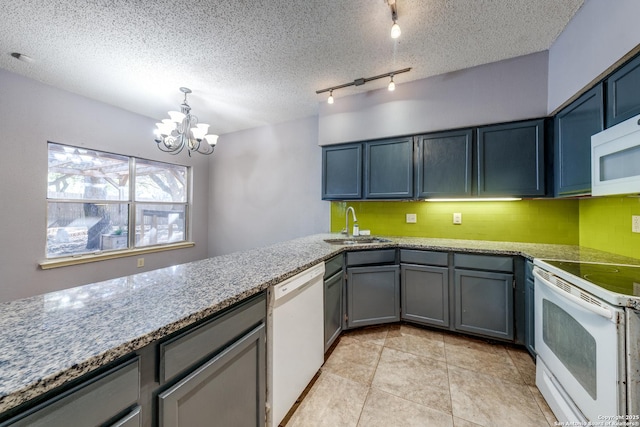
column 635, row 223
column 457, row 218
column 140, row 262
column 412, row 218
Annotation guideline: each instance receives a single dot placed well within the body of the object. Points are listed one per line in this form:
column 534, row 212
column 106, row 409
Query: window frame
column 53, row 261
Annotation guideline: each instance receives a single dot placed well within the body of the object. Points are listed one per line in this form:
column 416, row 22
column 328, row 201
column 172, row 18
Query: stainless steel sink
column 357, row 241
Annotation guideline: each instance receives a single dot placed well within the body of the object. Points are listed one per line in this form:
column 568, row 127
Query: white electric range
column 587, row 339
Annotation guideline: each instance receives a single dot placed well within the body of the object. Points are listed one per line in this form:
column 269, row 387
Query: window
column 100, row 201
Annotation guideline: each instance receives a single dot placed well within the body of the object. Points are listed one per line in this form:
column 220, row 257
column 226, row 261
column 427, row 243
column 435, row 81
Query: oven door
column 580, row 342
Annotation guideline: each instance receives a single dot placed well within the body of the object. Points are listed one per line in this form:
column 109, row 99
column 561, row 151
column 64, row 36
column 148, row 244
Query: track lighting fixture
column 392, row 85
column 395, row 28
column 363, row 80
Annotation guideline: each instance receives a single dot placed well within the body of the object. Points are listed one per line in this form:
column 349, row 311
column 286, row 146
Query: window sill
column 94, row 257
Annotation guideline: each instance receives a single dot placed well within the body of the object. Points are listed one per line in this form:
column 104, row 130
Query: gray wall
column 599, row 34
column 31, row 114
column 503, row 91
column 265, row 187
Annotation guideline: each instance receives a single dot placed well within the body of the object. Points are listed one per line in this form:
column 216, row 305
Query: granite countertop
column 53, row 338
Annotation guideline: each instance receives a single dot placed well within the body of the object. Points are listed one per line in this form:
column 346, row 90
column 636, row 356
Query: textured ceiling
column 252, row 62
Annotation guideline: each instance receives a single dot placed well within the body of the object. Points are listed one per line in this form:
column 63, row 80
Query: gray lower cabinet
column 228, row 390
column 425, row 287
column 333, row 308
column 484, row 303
column 95, row 402
column 529, row 309
column 216, row 370
column 425, row 294
column 373, row 295
column 484, row 295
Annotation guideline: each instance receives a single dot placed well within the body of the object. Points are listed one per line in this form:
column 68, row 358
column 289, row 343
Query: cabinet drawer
column 91, row 403
column 132, row 419
column 384, row 256
column 332, row 266
column 182, row 352
column 483, row 262
column 409, row 256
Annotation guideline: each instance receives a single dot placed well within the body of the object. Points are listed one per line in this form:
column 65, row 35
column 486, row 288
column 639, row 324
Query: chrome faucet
column 346, row 224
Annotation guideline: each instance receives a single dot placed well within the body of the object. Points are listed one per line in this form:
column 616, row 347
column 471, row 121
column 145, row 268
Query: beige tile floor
column 401, row 375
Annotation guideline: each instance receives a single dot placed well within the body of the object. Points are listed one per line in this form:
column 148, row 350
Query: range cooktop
column 620, row 279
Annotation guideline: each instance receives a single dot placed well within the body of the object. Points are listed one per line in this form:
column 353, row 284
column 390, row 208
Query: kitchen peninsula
column 51, row 340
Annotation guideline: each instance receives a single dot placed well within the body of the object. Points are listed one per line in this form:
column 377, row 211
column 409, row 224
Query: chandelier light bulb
column 176, row 116
column 395, row 30
column 392, row 85
column 212, row 140
column 330, row 100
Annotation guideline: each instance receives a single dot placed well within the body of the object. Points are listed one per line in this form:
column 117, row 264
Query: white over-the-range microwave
column 615, row 159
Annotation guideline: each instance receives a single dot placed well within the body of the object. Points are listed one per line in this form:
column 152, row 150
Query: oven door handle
column 601, row 311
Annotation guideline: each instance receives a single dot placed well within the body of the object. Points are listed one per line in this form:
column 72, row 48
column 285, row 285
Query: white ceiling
column 253, row 62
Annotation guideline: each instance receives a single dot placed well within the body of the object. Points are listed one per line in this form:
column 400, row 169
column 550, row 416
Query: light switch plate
column 457, row 218
column 412, row 218
column 635, row 223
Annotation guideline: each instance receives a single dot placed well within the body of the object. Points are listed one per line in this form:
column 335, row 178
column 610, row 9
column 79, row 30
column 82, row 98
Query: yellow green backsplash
column 602, row 223
column 605, row 224
column 536, row 221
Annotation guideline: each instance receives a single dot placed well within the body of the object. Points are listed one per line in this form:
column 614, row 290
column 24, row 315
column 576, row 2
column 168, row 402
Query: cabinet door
column 228, row 390
column 529, row 310
column 444, row 164
column 333, row 308
column 342, row 172
column 425, row 294
column 484, row 303
column 511, row 159
column 573, row 128
column 389, row 169
column 91, row 403
column 373, row 295
column 623, row 93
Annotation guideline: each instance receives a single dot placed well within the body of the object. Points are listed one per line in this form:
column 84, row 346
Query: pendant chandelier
column 182, row 130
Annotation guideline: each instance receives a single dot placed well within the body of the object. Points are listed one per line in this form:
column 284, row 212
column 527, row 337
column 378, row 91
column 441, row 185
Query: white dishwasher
column 295, row 339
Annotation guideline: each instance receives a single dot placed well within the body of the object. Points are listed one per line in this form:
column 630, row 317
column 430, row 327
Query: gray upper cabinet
column 573, row 128
column 342, row 172
column 511, row 159
column 388, row 169
column 444, row 164
column 623, row 93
